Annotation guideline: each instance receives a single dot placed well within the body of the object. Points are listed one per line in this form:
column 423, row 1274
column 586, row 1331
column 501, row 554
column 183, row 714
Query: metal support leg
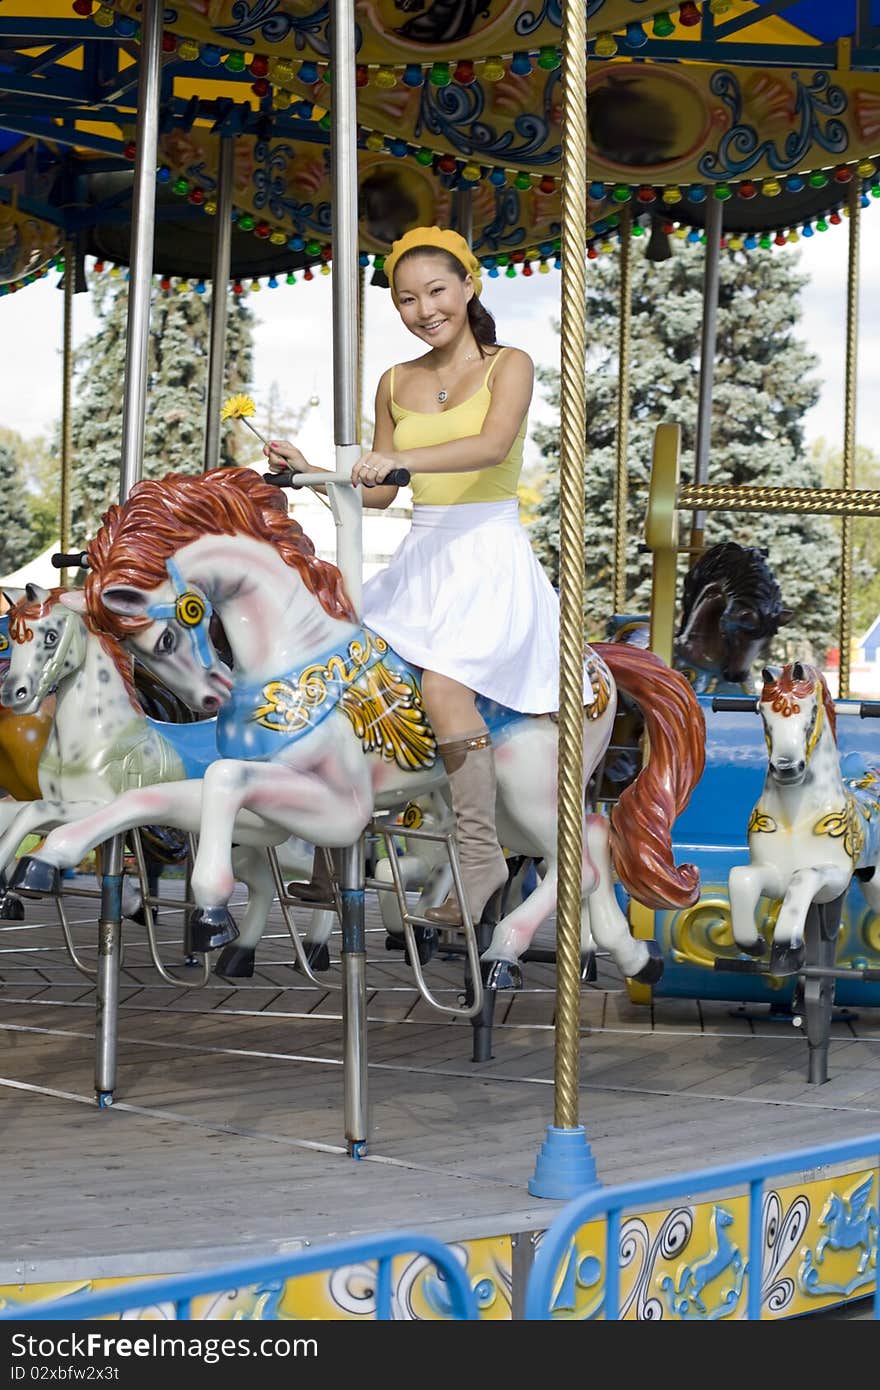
column 350, row 867
column 481, row 1022
column 823, row 923
column 109, row 947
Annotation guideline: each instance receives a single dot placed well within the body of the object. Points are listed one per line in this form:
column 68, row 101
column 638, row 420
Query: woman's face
column 431, row 299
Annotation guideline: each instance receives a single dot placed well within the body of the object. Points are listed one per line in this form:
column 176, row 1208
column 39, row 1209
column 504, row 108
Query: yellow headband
column 425, row 238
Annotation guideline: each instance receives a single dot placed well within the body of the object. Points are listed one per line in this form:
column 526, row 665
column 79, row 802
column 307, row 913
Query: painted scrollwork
column 816, row 108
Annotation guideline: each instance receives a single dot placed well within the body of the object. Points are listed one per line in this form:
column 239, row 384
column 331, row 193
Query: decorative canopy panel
column 773, row 108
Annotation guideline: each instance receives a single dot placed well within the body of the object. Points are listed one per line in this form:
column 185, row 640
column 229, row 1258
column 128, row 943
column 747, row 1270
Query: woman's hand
column 371, row 468
column 281, row 455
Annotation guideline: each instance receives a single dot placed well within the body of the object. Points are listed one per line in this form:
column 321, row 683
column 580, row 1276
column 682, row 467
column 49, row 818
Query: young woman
column 463, row 597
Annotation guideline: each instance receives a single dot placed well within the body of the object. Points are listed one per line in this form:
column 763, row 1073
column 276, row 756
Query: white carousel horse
column 325, row 724
column 100, row 742
column 812, row 827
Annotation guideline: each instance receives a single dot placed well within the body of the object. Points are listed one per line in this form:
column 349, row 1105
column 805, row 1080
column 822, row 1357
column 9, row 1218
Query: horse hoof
column 589, row 973
column 11, row 909
column 236, row 963
column 34, row 878
column 652, row 970
column 426, row 945
column 503, row 974
column 787, row 960
column 210, row 927
column 756, row 949
column 317, row 956
column 394, row 943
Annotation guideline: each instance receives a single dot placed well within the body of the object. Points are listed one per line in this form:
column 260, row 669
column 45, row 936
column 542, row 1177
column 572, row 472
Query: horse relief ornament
column 814, row 825
column 321, row 723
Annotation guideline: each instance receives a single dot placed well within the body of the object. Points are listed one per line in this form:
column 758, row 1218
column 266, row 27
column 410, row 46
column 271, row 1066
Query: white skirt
column 464, row 595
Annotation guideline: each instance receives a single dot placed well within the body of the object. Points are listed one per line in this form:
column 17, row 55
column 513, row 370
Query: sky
column 293, row 341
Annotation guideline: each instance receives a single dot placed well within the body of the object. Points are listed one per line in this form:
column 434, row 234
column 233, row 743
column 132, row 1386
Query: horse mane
column 785, row 687
column 26, row 610
column 642, row 820
column 162, row 516
column 745, row 576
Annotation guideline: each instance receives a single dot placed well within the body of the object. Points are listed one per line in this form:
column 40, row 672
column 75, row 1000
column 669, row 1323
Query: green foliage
column 17, row 541
column 176, row 392
column 764, row 385
column 865, row 533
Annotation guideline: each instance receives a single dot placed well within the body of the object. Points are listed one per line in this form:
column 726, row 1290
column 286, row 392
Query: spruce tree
column 18, row 543
column 763, row 387
column 176, row 391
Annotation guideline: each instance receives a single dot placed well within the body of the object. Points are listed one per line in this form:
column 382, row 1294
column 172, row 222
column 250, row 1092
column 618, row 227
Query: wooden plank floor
column 226, row 1137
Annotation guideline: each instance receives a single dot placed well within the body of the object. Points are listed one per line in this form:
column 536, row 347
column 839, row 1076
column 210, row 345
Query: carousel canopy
column 771, row 108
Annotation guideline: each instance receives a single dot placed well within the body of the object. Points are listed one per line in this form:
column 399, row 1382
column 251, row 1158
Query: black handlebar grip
column 869, row 709
column 743, row 703
column 280, row 479
column 398, row 477
column 70, row 559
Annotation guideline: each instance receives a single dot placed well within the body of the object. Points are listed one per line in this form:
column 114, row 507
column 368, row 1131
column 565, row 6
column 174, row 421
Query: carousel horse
column 100, row 742
column 814, row 825
column 22, row 737
column 324, row 723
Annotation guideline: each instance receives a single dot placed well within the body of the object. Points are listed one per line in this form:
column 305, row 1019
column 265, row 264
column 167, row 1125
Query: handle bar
column 398, row 477
column 70, row 559
column 867, row 709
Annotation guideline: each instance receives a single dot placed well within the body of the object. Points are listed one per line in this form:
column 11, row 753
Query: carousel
column 271, row 1077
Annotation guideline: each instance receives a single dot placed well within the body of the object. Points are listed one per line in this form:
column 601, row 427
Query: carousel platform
column 226, row 1143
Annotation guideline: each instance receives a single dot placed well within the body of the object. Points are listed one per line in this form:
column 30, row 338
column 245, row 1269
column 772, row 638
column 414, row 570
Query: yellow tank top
column 417, row 429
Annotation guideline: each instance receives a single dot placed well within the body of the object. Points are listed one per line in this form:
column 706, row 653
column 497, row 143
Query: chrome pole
column 66, row 412
column 109, row 948
column 219, row 284
column 346, row 504
column 708, row 342
column 142, row 238
column 464, row 213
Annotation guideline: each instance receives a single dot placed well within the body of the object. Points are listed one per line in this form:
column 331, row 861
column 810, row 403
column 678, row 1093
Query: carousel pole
column 565, row 1165
column 133, row 413
column 219, row 281
column 464, row 213
column 621, row 491
column 708, row 342
column 347, row 511
column 66, row 414
column 849, row 435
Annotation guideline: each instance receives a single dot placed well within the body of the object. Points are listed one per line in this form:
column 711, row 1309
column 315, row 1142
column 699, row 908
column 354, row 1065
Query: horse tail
column 642, row 820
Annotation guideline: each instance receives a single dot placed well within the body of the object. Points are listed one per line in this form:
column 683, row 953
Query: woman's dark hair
column 481, row 321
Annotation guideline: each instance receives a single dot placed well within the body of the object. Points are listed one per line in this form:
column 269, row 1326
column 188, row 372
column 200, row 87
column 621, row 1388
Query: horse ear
column 768, row 675
column 126, row 601
column 784, row 615
column 797, row 672
column 35, row 593
column 74, row 599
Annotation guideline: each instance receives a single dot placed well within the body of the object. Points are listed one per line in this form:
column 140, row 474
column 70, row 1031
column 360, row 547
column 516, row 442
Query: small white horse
column 324, row 723
column 812, row 828
column 101, row 743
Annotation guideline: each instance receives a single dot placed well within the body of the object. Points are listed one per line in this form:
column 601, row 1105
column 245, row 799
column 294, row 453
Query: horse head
column 796, row 706
column 49, row 640
column 731, row 607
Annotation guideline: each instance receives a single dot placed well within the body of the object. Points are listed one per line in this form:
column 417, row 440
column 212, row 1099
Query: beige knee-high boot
column 470, row 766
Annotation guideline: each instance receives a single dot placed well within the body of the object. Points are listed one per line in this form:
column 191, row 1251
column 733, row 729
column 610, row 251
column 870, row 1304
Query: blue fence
column 612, row 1202
column 182, row 1289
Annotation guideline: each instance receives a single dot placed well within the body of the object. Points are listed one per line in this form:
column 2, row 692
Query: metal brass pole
column 708, row 341
column 849, row 433
column 565, row 1165
column 621, row 491
column 66, row 414
column 362, row 314
column 142, row 236
column 219, row 283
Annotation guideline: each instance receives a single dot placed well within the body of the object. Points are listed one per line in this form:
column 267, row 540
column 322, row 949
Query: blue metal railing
column 611, row 1202
column 182, row 1289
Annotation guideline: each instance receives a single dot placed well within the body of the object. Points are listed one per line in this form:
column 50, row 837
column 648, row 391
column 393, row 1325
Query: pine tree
column 17, row 541
column 763, row 388
column 175, row 421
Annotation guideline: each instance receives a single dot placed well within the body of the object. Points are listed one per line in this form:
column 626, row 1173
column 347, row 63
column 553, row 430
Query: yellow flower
column 237, row 407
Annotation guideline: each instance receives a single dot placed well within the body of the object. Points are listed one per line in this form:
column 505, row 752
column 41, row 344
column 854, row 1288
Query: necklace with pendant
column 443, row 394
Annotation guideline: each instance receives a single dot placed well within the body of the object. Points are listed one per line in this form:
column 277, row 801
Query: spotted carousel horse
column 22, row 737
column 815, row 824
column 324, row 723
column 100, row 743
